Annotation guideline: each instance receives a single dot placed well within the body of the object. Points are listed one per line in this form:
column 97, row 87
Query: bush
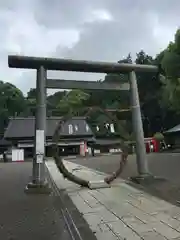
column 159, row 136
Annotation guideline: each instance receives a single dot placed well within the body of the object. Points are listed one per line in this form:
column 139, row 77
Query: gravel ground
column 165, row 165
column 29, row 217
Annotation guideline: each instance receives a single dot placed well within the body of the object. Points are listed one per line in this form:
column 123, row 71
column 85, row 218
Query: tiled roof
column 174, row 129
column 24, row 127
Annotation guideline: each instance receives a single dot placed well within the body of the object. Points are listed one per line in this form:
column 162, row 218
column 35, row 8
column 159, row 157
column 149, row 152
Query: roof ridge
column 51, row 117
column 25, row 126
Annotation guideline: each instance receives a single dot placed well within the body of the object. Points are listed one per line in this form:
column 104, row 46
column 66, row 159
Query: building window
column 112, row 128
column 70, row 126
column 87, row 128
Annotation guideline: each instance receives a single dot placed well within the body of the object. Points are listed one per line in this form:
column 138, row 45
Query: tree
column 170, row 64
column 159, row 136
column 72, row 102
column 53, row 101
column 12, row 103
column 149, row 87
column 30, row 103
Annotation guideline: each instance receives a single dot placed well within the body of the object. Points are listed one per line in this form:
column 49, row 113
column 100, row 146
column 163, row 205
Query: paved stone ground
column 30, row 217
column 165, row 165
column 122, row 211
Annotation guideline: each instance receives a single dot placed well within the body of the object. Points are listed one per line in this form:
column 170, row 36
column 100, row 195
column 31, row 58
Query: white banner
column 40, row 142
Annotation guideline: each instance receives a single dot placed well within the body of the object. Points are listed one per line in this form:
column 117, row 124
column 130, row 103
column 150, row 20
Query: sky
column 101, row 30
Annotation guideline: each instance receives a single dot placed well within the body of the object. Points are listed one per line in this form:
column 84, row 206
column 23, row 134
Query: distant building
column 172, row 136
column 75, row 133
column 76, row 137
column 107, row 140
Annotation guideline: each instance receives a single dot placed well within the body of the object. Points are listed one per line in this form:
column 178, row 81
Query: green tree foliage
column 53, row 101
column 149, row 86
column 30, row 103
column 72, row 102
column 12, row 103
column 169, row 61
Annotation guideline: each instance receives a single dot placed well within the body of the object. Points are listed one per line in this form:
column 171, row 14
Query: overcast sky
column 104, row 30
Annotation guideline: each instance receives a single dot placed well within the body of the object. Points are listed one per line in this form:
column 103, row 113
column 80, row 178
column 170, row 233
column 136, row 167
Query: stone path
column 120, row 212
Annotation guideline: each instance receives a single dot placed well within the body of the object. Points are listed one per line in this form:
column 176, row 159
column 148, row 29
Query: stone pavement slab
column 122, row 211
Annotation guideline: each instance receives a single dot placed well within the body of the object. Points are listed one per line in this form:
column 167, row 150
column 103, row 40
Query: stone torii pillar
column 141, row 157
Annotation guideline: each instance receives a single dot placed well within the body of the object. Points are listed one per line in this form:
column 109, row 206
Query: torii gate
column 44, row 64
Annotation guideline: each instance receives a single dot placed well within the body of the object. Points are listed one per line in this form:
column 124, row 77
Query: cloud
column 96, row 30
